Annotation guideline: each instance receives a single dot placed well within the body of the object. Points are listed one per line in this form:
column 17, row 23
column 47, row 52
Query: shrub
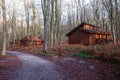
column 84, row 55
column 114, row 61
column 88, row 51
column 100, row 48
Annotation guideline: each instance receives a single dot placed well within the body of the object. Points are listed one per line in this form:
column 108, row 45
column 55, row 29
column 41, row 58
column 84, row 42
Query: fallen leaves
column 8, row 67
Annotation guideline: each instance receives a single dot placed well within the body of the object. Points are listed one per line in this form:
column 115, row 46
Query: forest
column 60, row 39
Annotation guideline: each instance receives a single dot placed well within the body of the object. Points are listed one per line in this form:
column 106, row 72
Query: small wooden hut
column 31, row 41
column 88, row 34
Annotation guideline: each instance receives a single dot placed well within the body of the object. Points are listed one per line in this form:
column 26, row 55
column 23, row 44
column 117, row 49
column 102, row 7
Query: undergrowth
column 84, row 55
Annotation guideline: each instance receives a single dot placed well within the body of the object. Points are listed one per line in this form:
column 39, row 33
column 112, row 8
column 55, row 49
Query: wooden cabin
column 31, row 41
column 88, row 34
column 17, row 42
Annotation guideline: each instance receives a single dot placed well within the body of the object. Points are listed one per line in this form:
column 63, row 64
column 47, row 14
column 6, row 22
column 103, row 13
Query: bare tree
column 52, row 23
column 4, row 28
column 34, row 17
column 27, row 14
column 14, row 23
column 58, row 20
column 45, row 8
column 108, row 4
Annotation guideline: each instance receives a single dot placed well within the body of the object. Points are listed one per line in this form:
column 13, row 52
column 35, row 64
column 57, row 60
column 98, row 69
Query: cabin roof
column 87, row 31
column 92, row 31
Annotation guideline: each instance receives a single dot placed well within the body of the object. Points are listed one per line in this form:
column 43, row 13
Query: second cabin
column 88, row 34
column 31, row 41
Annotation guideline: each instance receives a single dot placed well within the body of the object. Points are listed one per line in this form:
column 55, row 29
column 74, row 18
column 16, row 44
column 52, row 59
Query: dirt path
column 60, row 68
column 35, row 68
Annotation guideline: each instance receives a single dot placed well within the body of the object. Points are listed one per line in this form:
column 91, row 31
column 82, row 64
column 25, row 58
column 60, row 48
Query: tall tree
column 45, row 9
column 34, row 17
column 27, row 14
column 58, row 20
column 14, row 23
column 52, row 23
column 4, row 28
column 111, row 21
column 117, row 20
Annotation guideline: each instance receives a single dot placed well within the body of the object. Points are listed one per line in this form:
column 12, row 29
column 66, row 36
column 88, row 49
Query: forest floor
column 33, row 66
column 27, row 63
column 8, row 67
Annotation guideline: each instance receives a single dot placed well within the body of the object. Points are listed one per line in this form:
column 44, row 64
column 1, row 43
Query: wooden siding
column 92, row 39
column 74, row 38
column 84, row 38
column 79, row 37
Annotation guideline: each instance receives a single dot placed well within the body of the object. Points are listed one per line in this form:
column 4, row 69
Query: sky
column 20, row 3
column 69, row 2
column 20, row 6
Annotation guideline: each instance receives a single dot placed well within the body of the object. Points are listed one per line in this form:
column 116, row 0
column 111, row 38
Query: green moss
column 101, row 48
column 84, row 55
column 114, row 61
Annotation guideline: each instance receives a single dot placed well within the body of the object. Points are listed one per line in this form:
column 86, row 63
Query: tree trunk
column 27, row 13
column 112, row 25
column 4, row 28
column 45, row 9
